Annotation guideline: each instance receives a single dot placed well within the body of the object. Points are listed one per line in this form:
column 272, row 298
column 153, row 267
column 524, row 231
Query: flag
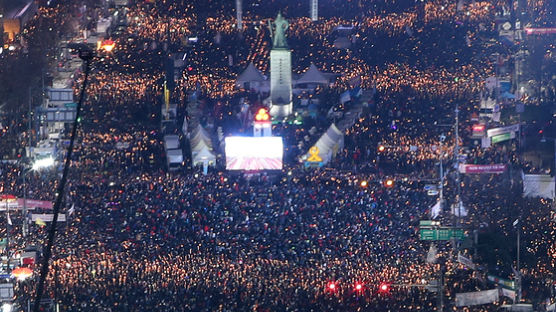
column 459, row 6
column 345, row 97
column 431, row 255
column 516, row 273
column 71, row 210
column 39, row 222
column 459, row 210
column 436, row 209
column 9, row 220
column 516, row 222
column 408, row 31
column 551, row 307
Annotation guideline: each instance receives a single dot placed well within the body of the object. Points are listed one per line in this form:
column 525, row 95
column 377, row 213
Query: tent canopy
column 201, row 147
column 312, row 75
column 251, row 73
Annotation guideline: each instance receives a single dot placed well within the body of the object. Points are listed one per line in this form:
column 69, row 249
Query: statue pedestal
column 280, row 83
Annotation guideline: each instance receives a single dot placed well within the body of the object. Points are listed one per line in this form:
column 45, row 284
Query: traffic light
column 262, row 115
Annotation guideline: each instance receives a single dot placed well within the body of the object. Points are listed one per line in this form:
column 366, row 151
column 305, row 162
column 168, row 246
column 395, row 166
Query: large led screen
column 254, row 153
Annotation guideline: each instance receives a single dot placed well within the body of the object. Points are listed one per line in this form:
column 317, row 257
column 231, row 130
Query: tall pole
column 456, row 154
column 8, row 234
column 24, row 212
column 442, row 138
column 441, row 289
column 29, row 144
column 239, row 15
column 457, row 213
column 518, row 264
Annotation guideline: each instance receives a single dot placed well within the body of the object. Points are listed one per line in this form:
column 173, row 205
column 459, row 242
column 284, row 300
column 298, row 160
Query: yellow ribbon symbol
column 314, row 151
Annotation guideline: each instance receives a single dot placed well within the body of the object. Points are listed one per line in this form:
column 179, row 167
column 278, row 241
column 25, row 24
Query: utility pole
column 518, row 263
column 29, row 147
column 442, row 138
column 441, row 289
column 457, row 214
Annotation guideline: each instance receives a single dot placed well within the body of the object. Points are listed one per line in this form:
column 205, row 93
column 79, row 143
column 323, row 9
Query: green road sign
column 426, row 223
column 501, row 137
column 428, row 234
column 431, row 234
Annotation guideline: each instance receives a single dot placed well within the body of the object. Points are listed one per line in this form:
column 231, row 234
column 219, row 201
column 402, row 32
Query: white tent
column 201, row 147
column 312, row 76
column 251, row 78
column 329, row 144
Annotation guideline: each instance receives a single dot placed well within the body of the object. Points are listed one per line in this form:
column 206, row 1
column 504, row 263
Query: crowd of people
column 141, row 239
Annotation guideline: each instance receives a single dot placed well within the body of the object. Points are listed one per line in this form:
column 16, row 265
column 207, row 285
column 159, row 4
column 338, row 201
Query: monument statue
column 278, row 34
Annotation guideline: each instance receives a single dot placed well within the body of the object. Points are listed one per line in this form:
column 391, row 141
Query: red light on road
column 358, row 286
column 331, row 286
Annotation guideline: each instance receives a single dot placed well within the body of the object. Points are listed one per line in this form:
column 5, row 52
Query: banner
column 31, row 204
column 538, row 185
column 540, row 31
column 479, row 169
column 11, row 205
column 466, row 261
column 502, row 282
column 476, row 298
column 47, row 217
column 507, row 293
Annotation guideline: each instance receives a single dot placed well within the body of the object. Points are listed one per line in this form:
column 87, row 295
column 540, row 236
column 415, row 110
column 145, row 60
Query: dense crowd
column 142, row 239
